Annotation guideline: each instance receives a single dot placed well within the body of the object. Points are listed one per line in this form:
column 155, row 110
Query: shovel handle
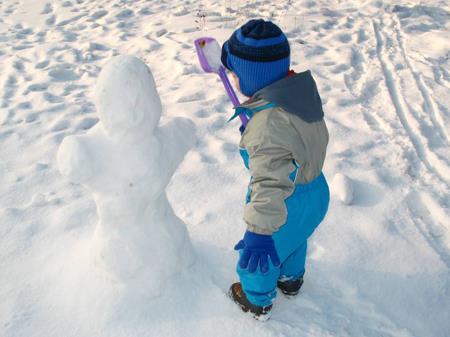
column 231, row 94
column 199, row 45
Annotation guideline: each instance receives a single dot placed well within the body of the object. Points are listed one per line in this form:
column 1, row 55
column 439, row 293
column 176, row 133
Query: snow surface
column 377, row 267
column 126, row 161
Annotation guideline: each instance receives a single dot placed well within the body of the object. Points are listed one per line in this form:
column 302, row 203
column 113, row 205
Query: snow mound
column 126, row 161
column 342, row 187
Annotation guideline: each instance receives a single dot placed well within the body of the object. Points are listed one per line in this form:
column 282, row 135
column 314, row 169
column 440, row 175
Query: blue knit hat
column 258, row 53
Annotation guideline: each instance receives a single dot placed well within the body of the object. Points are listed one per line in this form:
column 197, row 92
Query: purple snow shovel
column 209, row 52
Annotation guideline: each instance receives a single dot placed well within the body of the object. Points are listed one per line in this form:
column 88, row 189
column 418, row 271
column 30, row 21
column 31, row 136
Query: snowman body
column 126, row 161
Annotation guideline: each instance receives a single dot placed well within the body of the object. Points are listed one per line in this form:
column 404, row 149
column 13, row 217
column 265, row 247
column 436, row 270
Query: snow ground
column 377, row 267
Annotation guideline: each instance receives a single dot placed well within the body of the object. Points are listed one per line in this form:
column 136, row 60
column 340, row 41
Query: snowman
column 126, row 161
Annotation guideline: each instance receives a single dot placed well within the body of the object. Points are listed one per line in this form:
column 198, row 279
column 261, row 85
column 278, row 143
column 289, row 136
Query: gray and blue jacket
column 283, row 145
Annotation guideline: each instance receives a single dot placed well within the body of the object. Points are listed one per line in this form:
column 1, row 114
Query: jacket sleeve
column 270, row 163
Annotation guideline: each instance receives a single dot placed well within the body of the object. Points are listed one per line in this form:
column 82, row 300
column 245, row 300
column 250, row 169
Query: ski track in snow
column 410, row 121
column 378, row 267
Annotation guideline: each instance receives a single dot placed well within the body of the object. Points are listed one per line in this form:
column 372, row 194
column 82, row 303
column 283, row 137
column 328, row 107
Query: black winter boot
column 290, row 287
column 237, row 294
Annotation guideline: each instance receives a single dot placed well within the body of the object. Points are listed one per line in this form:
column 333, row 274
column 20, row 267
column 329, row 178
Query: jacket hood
column 297, row 94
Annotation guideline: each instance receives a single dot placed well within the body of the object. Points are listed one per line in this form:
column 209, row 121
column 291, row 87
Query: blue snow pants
column 306, row 208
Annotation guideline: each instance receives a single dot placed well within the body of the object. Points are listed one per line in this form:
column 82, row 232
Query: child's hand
column 256, row 250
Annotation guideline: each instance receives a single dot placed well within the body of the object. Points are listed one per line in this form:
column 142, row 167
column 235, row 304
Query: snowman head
column 126, row 97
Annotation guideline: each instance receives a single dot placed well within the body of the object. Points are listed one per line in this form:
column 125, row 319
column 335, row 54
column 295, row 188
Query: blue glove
column 256, row 250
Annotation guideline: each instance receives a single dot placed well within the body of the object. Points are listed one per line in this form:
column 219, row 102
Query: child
column 284, row 147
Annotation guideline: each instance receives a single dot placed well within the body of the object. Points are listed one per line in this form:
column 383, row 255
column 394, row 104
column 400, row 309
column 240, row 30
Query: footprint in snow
column 357, row 60
column 11, row 81
column 329, row 63
column 24, row 106
column 362, row 36
column 42, row 64
column 69, row 36
column 161, row 32
column 62, row 75
column 31, row 117
column 350, row 23
column 67, row 4
column 344, row 38
column 218, row 124
column 125, row 14
column 9, row 10
column 208, row 159
column 23, row 46
column 86, row 123
column 191, row 98
column 345, row 102
column 52, row 98
column 370, row 89
column 191, row 69
column 316, row 51
column 38, row 87
column 145, row 11
column 71, row 20
column 50, row 21
column 40, row 167
column 99, row 14
column 48, row 8
column 94, row 46
column 202, row 113
column 229, row 147
column 329, row 24
column 5, row 134
column 23, row 34
column 60, row 125
column 340, row 68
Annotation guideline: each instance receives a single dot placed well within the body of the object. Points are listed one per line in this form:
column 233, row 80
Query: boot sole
column 261, row 318
column 289, row 294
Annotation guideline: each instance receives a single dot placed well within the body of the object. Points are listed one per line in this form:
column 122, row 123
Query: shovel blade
column 209, row 53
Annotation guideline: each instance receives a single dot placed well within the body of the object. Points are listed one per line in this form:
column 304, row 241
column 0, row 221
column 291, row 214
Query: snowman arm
column 176, row 137
column 74, row 160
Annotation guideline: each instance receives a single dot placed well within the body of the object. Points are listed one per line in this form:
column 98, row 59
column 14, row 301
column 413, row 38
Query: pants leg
column 259, row 288
column 294, row 266
column 306, row 209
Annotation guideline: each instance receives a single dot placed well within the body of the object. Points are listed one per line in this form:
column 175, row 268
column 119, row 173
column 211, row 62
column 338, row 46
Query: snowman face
column 126, row 97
